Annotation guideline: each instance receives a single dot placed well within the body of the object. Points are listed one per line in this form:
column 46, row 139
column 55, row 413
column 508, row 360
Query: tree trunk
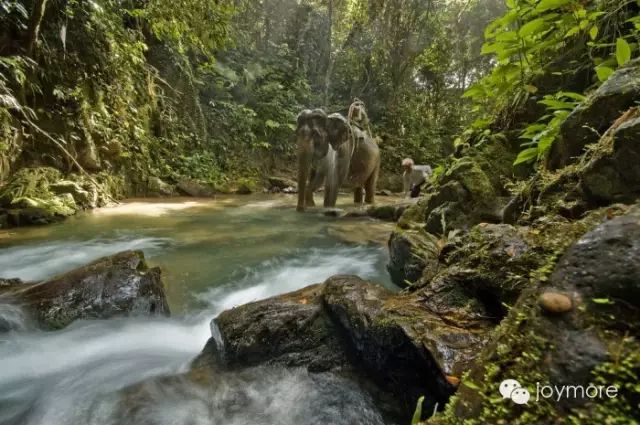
column 327, row 77
column 34, row 26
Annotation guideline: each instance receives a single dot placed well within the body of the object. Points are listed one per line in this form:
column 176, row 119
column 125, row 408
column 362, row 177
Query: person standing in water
column 414, row 177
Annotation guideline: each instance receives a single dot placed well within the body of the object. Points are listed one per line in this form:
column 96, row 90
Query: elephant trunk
column 305, row 153
column 332, row 183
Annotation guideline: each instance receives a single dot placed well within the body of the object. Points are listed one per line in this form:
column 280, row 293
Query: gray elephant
column 334, row 153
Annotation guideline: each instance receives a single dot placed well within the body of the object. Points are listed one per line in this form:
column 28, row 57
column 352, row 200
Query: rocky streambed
column 319, row 335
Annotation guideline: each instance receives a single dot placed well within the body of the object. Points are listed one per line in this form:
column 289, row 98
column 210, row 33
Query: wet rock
column 281, row 183
column 195, row 188
column 596, row 115
column 555, row 303
column 352, row 328
column 290, row 330
column 119, row 285
column 157, row 187
column 390, row 212
column 476, row 275
column 357, row 213
column 410, row 251
column 392, row 338
column 462, row 197
column 32, row 216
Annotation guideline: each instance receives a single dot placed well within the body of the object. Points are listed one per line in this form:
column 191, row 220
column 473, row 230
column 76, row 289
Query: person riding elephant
column 333, row 153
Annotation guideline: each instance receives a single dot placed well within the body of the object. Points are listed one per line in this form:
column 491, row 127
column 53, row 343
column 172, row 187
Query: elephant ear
column 338, row 129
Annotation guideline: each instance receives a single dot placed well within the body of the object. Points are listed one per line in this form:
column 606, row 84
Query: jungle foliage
column 210, row 89
column 550, row 52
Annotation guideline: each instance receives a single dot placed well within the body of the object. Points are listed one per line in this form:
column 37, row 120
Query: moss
column 622, row 372
column 518, row 351
column 473, row 179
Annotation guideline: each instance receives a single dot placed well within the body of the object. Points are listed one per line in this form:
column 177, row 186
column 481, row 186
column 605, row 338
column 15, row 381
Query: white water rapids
column 73, row 376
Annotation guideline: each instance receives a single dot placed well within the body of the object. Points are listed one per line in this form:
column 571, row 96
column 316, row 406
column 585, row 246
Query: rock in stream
column 118, row 285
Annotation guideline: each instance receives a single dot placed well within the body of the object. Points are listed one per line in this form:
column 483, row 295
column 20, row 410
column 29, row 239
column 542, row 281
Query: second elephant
column 334, row 153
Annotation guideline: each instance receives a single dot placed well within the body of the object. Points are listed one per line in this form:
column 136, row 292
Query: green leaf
column 471, row 384
column 603, row 72
column 623, row 51
column 551, row 4
column 271, row 124
column 417, row 414
column 527, row 155
column 532, row 27
column 602, row 301
column 593, row 32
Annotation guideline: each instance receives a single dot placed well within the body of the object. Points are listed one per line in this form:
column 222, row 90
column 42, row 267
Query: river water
column 214, row 254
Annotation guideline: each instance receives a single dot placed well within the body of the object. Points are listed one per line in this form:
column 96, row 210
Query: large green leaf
column 532, row 27
column 526, row 155
column 623, row 51
column 551, row 4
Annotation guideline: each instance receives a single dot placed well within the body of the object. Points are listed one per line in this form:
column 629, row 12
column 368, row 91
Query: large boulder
column 389, row 343
column 119, row 285
column 410, row 252
column 290, row 330
column 579, row 327
column 281, row 184
column 156, row 187
column 594, row 116
column 397, row 340
column 468, row 192
column 195, row 188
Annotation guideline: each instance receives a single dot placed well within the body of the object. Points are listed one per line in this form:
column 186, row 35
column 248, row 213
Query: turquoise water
column 215, row 254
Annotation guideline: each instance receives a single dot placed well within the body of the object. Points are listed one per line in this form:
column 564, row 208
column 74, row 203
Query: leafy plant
column 540, row 135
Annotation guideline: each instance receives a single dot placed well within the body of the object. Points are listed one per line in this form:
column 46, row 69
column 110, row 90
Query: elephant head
column 311, row 133
column 338, row 130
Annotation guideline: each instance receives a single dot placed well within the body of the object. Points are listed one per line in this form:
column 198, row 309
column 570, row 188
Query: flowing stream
column 214, row 254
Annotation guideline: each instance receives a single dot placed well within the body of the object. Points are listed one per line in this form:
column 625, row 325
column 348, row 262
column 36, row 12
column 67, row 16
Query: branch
column 68, row 154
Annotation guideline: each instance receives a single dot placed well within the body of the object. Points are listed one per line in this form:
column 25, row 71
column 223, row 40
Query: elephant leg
column 370, row 186
column 357, row 195
column 330, row 197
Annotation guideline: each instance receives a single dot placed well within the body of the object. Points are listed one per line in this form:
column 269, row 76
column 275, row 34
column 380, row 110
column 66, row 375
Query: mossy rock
column 410, row 251
column 593, row 342
column 595, row 115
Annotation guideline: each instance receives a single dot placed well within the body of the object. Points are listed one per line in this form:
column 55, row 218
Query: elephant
column 334, row 153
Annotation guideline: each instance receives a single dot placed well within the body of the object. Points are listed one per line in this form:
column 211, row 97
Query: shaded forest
column 517, row 257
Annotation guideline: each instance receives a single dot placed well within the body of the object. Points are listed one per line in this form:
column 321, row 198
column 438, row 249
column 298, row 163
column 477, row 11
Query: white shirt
column 417, row 175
